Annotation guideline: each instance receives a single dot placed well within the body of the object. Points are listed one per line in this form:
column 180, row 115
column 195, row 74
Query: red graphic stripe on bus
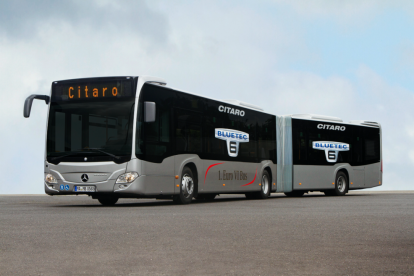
column 252, row 180
column 209, row 169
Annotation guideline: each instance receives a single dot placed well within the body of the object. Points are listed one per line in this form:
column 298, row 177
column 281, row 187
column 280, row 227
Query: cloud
column 22, row 19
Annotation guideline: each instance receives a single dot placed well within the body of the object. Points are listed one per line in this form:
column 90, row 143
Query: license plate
column 84, row 188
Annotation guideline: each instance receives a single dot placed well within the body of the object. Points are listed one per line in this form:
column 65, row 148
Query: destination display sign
column 72, row 91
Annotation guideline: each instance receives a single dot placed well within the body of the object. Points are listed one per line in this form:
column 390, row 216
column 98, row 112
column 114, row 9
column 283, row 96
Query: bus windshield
column 90, row 129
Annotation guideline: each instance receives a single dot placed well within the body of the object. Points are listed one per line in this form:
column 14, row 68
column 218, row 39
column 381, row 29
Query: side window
column 248, row 151
column 188, row 132
column 357, row 146
column 300, row 146
column 316, row 156
column 266, row 138
column 371, row 145
column 214, row 148
column 153, row 141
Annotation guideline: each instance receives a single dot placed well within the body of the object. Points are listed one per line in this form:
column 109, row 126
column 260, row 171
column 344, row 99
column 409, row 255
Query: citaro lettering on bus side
column 83, row 93
column 331, row 127
column 231, row 110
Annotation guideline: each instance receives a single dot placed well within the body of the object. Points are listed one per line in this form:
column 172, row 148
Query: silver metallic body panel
column 101, row 174
column 321, row 177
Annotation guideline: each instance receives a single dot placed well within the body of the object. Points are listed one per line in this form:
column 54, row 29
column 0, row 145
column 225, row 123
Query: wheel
column 265, row 188
column 108, row 201
column 206, row 197
column 341, row 184
column 295, row 193
column 187, row 187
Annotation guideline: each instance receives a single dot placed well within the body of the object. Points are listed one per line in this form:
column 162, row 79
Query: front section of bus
column 90, row 136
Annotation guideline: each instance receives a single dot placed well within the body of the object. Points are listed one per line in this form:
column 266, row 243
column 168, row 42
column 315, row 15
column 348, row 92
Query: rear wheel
column 187, row 187
column 265, row 188
column 295, row 193
column 341, row 184
column 108, row 201
column 265, row 191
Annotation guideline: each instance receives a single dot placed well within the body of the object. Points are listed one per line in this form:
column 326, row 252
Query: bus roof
column 324, row 118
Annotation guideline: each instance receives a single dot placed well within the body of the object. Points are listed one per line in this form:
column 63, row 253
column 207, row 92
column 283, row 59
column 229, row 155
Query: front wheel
column 108, row 201
column 187, row 187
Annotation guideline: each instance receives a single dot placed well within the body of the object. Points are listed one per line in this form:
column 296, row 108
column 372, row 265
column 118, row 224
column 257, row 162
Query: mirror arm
column 28, row 103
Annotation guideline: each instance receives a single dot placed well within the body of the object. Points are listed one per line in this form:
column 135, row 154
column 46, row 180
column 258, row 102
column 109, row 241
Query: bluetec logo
column 233, row 138
column 331, row 149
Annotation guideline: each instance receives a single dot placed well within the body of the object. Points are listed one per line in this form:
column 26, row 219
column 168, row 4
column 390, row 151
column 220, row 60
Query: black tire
column 206, row 197
column 108, row 201
column 250, row 195
column 329, row 193
column 265, row 190
column 341, row 184
column 295, row 193
column 266, row 186
column 188, row 187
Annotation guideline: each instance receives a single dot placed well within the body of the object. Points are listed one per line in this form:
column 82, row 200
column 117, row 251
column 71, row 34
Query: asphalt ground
column 358, row 234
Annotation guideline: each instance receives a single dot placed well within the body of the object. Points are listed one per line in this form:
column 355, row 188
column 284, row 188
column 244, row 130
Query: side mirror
column 28, row 103
column 149, row 112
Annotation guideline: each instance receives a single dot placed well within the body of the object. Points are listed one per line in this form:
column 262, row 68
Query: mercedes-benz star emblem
column 86, row 159
column 84, row 177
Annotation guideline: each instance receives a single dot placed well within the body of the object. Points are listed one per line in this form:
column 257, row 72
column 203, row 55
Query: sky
column 349, row 59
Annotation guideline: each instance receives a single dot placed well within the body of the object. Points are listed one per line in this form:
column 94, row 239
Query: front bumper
column 136, row 187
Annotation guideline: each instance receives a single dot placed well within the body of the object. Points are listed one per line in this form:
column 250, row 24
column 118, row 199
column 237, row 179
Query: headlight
column 127, row 177
column 50, row 179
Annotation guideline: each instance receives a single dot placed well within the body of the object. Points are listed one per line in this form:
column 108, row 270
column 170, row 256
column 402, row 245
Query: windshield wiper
column 107, row 153
column 70, row 154
column 82, row 151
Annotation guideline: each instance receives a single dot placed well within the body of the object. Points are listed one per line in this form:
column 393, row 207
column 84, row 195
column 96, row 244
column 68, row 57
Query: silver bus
column 321, row 153
column 134, row 137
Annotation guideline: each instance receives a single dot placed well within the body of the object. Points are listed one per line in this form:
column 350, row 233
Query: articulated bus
column 134, row 137
column 320, row 153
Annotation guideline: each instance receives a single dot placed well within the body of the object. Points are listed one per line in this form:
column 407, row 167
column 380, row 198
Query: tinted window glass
column 154, row 139
column 188, row 132
column 76, row 127
column 371, row 145
column 363, row 141
column 189, row 124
